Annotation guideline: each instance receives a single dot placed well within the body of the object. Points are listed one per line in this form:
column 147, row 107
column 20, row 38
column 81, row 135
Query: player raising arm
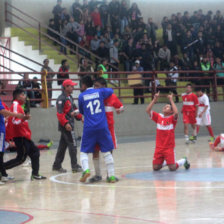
column 165, row 136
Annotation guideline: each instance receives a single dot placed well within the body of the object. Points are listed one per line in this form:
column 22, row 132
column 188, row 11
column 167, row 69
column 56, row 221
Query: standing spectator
column 151, row 29
column 64, row 15
column 104, row 13
column 164, row 57
column 102, row 51
column 90, row 30
column 103, row 68
column 94, row 44
column 138, row 92
column 124, row 15
column 200, row 46
column 50, row 31
column 96, row 17
column 128, row 53
column 114, row 56
column 64, row 69
column 173, row 80
column 37, row 91
column 57, row 15
column 49, row 76
column 218, row 50
column 77, row 11
column 66, row 113
column 196, row 67
column 219, row 66
column 205, row 66
column 114, row 9
column 26, row 85
column 134, row 14
column 72, row 34
column 63, row 32
column 170, row 39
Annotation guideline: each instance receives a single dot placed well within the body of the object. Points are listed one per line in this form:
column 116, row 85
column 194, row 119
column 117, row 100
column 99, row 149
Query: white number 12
column 97, row 108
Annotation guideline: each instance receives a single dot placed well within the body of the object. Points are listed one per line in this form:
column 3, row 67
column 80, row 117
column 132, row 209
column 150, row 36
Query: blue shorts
column 91, row 138
column 2, row 141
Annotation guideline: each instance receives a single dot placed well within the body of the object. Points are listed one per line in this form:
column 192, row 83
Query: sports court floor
column 141, row 196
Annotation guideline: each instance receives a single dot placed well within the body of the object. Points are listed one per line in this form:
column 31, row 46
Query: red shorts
column 164, row 154
column 189, row 117
column 112, row 132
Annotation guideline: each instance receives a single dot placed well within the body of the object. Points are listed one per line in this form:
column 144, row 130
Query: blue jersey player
column 95, row 130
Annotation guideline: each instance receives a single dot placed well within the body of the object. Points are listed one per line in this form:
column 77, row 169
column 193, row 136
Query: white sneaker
column 5, row 179
column 27, row 163
column 2, row 183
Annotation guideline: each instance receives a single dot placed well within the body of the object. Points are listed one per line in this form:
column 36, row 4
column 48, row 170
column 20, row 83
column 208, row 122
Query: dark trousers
column 67, row 140
column 2, row 168
column 173, row 90
column 139, row 92
column 25, row 148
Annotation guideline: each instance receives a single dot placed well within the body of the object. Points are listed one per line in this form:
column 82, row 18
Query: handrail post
column 215, row 89
column 44, row 89
column 153, row 84
column 119, row 85
column 39, row 32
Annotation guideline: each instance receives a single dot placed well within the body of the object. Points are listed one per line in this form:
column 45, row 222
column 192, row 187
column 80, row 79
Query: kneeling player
column 218, row 145
column 111, row 103
column 204, row 116
column 165, row 136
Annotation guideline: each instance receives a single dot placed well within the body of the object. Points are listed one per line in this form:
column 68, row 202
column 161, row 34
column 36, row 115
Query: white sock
column 96, row 163
column 108, row 158
column 186, row 137
column 164, row 163
column 195, row 132
column 84, row 161
column 181, row 162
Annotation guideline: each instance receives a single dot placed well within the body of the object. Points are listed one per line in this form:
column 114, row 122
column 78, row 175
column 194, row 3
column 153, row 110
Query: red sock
column 198, row 128
column 42, row 146
column 177, row 166
column 210, row 131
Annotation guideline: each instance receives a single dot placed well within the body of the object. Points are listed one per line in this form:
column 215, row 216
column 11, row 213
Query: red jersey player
column 218, row 145
column 165, row 136
column 189, row 110
column 111, row 103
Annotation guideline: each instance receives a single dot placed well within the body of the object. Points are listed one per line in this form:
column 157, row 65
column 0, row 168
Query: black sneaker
column 60, row 170
column 95, row 179
column 77, row 169
column 187, row 165
column 38, row 177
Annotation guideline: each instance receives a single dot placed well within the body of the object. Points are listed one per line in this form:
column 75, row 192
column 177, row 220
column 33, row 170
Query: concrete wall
column 157, row 9
column 134, row 122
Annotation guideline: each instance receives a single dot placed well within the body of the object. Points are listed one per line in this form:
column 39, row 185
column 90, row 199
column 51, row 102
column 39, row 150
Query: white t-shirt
column 203, row 101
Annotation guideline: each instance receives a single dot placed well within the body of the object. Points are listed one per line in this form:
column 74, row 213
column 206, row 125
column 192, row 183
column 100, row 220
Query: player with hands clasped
column 165, row 136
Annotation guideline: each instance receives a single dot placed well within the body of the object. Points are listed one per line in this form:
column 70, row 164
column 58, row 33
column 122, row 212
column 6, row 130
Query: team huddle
column 96, row 106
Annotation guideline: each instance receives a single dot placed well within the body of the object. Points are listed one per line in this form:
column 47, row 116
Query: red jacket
column 110, row 104
column 18, row 127
column 96, row 18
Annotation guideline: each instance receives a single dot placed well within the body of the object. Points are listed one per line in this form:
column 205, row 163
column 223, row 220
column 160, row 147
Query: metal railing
column 121, row 78
column 42, row 33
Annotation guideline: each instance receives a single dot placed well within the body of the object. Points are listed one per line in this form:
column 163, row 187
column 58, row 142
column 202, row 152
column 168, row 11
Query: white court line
column 54, row 179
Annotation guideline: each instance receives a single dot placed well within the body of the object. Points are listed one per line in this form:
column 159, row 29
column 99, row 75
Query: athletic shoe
column 85, row 175
column 38, row 177
column 60, row 170
column 212, row 139
column 50, row 144
column 193, row 138
column 95, row 179
column 27, row 163
column 77, row 169
column 187, row 165
column 5, row 179
column 111, row 179
column 117, row 179
column 2, row 183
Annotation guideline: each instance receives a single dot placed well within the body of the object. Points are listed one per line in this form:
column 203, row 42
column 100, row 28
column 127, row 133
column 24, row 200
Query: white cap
column 137, row 62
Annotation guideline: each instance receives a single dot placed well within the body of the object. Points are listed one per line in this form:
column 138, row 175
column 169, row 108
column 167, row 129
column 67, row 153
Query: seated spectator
column 218, row 50
column 64, row 69
column 134, row 14
column 64, row 15
column 26, row 85
column 124, row 15
column 138, row 92
column 173, row 80
column 164, row 56
column 37, row 91
column 151, row 29
column 196, row 67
